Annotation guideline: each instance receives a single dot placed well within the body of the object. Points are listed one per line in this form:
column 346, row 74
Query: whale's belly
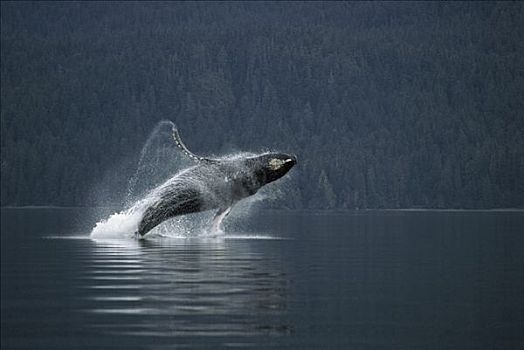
column 180, row 202
column 200, row 189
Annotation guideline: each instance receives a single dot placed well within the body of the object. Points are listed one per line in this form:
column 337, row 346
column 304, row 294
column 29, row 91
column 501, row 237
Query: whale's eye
column 275, row 163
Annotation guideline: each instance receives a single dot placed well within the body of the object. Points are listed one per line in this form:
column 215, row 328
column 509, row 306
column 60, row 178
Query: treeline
column 386, row 104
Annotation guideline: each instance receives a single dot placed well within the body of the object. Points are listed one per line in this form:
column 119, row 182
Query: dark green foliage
column 385, row 104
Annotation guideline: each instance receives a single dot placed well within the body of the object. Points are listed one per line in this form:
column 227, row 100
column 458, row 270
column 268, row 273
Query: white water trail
column 158, row 160
column 140, row 168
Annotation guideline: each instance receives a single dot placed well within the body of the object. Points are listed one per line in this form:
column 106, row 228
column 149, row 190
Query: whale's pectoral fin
column 187, row 152
column 219, row 217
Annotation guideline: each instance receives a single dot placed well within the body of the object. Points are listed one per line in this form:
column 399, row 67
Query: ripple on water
column 167, row 287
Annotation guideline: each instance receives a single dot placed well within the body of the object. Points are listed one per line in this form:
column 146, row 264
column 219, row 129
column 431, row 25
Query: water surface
column 352, row 280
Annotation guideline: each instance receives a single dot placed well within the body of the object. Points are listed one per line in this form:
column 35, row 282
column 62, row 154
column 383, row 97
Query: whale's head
column 271, row 166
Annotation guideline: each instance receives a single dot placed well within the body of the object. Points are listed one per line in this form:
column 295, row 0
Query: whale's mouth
column 292, row 160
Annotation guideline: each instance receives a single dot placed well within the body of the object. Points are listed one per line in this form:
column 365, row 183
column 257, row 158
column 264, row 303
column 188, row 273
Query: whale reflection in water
column 186, row 287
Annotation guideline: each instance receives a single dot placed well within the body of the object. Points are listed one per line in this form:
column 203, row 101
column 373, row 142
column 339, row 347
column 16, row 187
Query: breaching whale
column 212, row 184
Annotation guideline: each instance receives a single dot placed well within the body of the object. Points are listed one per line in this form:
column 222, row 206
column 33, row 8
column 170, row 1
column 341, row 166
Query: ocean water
column 274, row 280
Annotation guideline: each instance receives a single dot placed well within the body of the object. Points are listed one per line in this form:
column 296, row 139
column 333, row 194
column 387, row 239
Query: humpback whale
column 212, row 184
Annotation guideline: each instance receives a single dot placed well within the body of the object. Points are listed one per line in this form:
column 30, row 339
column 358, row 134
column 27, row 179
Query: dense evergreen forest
column 386, row 104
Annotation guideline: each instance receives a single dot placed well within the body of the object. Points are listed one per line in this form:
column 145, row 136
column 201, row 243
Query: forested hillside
column 387, row 105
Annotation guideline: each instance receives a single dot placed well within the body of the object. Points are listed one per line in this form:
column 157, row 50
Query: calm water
column 357, row 280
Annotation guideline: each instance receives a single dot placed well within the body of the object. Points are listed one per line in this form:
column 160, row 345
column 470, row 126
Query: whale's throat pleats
column 179, row 202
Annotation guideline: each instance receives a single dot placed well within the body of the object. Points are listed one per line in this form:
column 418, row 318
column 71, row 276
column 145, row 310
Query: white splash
column 120, row 225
